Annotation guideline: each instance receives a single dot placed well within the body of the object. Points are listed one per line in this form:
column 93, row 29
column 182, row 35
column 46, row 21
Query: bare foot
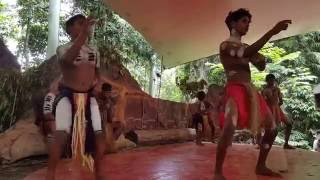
column 219, row 177
column 264, row 171
column 287, row 146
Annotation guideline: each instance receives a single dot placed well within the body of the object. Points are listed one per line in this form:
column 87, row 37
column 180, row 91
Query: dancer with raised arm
column 244, row 106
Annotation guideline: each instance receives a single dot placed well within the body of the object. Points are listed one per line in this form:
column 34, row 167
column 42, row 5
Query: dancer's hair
column 270, row 77
column 106, row 87
column 201, row 95
column 234, row 16
column 72, row 20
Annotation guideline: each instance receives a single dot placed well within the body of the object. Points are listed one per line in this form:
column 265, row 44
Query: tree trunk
column 152, row 79
column 202, row 71
column 25, row 45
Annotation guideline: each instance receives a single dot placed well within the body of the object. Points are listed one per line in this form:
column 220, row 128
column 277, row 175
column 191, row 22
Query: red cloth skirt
column 239, row 94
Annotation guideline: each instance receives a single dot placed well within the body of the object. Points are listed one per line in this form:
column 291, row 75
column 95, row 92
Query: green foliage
column 8, row 28
column 38, row 40
column 192, row 77
column 272, row 53
column 297, row 74
column 33, row 21
column 297, row 139
column 17, row 89
column 217, row 75
column 140, row 73
column 182, row 76
column 258, row 78
column 188, row 81
column 119, row 41
column 297, row 71
column 169, row 90
column 10, row 97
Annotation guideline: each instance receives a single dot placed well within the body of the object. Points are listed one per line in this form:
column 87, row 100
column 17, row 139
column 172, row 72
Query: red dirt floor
column 190, row 162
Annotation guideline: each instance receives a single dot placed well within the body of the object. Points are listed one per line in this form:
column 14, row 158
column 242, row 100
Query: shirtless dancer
column 203, row 112
column 241, row 98
column 79, row 64
column 273, row 97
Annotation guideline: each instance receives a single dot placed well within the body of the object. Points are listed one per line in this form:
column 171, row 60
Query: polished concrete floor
column 190, row 162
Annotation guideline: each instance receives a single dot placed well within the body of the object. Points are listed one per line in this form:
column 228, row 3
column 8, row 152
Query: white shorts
column 63, row 115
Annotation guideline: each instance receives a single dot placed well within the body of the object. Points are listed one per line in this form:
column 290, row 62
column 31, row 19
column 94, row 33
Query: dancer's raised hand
column 280, row 26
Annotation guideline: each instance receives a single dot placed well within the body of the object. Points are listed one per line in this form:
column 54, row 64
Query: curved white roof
column 185, row 30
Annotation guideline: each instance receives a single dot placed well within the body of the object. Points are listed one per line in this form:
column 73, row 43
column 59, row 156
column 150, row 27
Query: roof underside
column 185, row 30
